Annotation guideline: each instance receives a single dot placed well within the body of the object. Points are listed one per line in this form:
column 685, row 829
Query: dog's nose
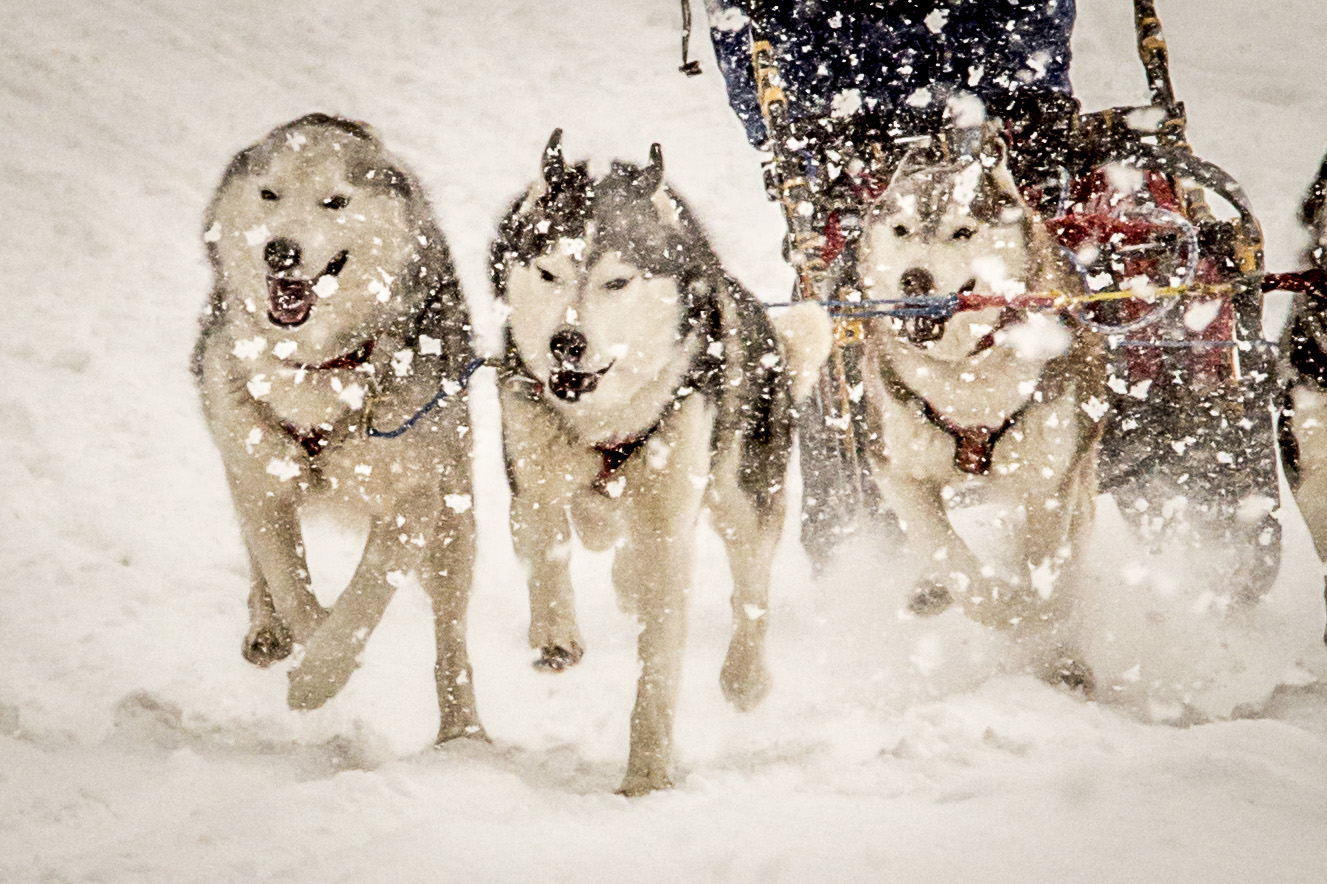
column 568, row 346
column 917, row 283
column 281, row 254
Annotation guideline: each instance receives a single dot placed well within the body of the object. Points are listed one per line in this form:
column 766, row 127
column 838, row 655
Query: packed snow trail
column 136, row 745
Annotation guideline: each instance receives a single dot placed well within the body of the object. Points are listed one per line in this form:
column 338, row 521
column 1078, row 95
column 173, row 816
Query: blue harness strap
column 443, row 394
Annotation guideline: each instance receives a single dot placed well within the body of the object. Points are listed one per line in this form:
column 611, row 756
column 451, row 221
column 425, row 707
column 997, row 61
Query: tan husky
column 332, row 361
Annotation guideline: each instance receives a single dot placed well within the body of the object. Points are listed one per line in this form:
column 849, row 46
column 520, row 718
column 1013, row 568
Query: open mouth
column 569, row 384
column 290, row 299
column 923, row 331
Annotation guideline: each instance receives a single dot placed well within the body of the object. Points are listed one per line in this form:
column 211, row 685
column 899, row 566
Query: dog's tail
column 807, row 337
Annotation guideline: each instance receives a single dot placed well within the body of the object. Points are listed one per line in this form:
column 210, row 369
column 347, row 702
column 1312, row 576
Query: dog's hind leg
column 268, row 639
column 333, row 652
column 446, row 573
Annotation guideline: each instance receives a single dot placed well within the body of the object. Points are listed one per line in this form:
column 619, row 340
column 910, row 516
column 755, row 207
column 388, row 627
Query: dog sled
column 1171, row 254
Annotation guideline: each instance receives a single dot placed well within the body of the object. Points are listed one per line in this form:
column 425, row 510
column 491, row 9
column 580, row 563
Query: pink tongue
column 289, row 300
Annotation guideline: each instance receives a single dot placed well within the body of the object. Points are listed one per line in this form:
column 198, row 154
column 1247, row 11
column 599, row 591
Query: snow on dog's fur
column 1303, row 418
column 999, row 402
column 642, row 382
column 335, row 315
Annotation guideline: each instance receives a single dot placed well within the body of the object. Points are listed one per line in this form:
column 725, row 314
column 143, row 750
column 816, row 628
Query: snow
column 137, row 746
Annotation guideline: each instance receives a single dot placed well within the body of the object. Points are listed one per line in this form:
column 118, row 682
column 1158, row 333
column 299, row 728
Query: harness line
column 461, row 383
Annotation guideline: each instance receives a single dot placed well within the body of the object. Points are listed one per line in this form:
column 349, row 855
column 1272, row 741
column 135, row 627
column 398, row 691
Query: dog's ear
column 555, row 167
column 648, row 180
column 994, row 149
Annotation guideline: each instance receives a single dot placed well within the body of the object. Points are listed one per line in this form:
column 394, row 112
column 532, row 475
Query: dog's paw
column 1071, row 673
column 266, row 644
column 556, row 658
column 468, row 728
column 745, row 678
column 930, row 598
column 643, row 782
column 320, row 676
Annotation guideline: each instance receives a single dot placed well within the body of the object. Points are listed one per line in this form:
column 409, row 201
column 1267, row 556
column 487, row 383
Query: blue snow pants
column 893, row 52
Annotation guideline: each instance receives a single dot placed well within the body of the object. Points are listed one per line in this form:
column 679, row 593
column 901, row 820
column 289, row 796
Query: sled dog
column 640, row 383
column 333, row 355
column 1303, row 419
column 998, row 402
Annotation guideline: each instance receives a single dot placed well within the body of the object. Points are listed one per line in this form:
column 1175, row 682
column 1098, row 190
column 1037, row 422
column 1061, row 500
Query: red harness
column 314, row 440
column 974, row 447
column 614, row 455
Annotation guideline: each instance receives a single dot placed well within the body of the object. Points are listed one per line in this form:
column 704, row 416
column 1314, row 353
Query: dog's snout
column 917, row 283
column 281, row 254
column 568, row 346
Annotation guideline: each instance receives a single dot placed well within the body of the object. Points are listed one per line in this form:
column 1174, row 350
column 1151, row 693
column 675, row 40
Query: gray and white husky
column 642, row 382
column 999, row 402
column 332, row 358
column 1303, row 410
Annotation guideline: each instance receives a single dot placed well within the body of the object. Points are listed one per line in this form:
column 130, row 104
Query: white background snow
column 136, row 745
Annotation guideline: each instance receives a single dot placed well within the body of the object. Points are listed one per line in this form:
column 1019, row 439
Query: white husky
column 640, row 382
column 331, row 361
column 998, row 400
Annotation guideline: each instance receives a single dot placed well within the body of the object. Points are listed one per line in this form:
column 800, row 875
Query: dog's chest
column 1040, row 443
column 980, row 391
column 307, row 399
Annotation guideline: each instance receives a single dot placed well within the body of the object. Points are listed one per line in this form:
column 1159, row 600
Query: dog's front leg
column 446, row 574
column 750, row 529
column 654, row 568
column 268, row 640
column 540, row 469
column 952, row 572
column 333, row 652
column 279, row 579
column 1059, row 521
column 541, row 536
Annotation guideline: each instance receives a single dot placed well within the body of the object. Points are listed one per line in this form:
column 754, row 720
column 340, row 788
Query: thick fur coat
column 642, row 383
column 1000, row 403
column 331, row 362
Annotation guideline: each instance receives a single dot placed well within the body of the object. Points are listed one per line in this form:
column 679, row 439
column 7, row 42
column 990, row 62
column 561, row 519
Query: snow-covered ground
column 136, row 745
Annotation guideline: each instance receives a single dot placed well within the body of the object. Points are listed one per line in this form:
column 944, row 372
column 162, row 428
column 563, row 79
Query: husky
column 1302, row 430
column 999, row 403
column 333, row 355
column 641, row 383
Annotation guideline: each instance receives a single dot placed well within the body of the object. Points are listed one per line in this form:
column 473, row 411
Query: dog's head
column 604, row 280
column 950, row 221
column 315, row 234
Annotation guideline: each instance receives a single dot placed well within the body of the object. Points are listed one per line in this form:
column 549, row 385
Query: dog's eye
column 545, row 275
column 336, row 202
column 963, row 233
column 269, row 195
column 900, row 230
column 617, row 284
